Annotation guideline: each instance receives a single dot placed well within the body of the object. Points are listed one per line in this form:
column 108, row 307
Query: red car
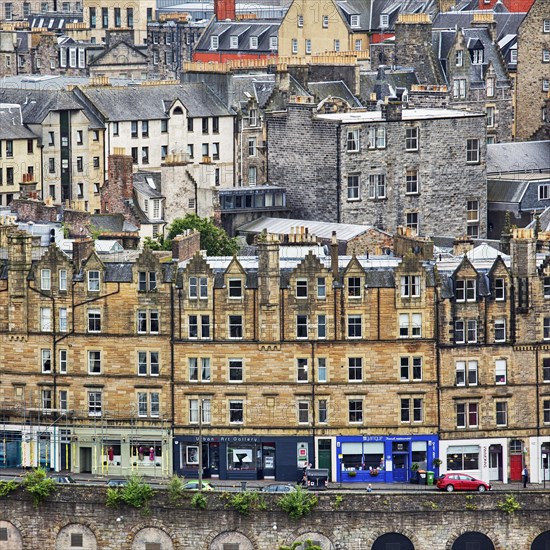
column 454, row 481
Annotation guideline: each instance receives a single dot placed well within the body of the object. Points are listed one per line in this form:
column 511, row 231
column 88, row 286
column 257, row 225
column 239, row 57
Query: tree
column 214, row 240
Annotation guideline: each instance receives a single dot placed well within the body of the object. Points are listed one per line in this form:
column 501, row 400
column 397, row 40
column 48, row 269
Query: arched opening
column 75, row 535
column 152, row 537
column 177, row 111
column 231, row 539
column 473, row 541
column 542, row 542
column 392, row 541
column 10, row 537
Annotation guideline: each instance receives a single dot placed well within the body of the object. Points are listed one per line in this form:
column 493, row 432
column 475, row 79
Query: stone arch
column 375, row 535
column 152, row 536
column 155, row 530
column 10, row 536
column 315, row 536
column 541, row 541
column 68, row 536
column 394, row 537
column 228, row 537
column 473, row 536
column 490, row 534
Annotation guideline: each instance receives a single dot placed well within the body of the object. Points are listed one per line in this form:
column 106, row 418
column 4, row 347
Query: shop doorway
column 400, row 467
column 85, row 460
column 495, row 463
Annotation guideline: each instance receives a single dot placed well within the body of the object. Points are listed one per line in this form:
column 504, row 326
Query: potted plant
column 352, row 473
column 374, row 472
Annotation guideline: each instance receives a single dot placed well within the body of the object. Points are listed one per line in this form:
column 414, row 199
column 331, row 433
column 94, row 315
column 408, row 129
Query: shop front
column 384, row 459
column 486, row 459
column 242, row 457
column 112, row 452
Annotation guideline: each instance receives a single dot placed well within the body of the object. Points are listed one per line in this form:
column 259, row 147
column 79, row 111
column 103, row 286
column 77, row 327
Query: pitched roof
column 518, row 156
column 118, row 103
column 11, row 123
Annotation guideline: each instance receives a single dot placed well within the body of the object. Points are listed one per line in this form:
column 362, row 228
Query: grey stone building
column 533, row 76
column 421, row 168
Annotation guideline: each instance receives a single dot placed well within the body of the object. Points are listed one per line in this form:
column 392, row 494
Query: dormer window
column 214, row 42
column 253, row 42
column 235, row 288
column 355, row 21
column 384, row 21
column 273, row 43
column 459, row 58
column 477, row 57
column 233, row 42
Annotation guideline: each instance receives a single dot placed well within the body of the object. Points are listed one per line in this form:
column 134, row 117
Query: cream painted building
column 311, row 27
column 102, row 15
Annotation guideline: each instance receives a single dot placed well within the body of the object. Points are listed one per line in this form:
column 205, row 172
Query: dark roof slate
column 518, row 156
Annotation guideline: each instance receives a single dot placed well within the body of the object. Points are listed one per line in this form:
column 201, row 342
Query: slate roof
column 36, row 104
column 518, row 156
column 371, row 10
column 336, row 88
column 506, row 23
column 112, row 223
column 11, row 124
column 142, row 51
column 385, row 81
column 263, row 29
column 142, row 186
column 119, row 103
column 509, row 191
column 474, row 38
column 54, row 22
column 118, row 272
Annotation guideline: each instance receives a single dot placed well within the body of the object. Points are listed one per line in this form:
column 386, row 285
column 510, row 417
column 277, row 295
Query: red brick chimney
column 224, row 9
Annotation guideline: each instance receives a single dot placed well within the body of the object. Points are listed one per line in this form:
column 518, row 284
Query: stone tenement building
column 533, row 74
column 353, row 363
column 384, row 168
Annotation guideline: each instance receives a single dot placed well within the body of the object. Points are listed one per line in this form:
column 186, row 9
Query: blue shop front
column 243, row 457
column 384, row 458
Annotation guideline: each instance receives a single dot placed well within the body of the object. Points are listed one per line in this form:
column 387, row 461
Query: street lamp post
column 200, row 444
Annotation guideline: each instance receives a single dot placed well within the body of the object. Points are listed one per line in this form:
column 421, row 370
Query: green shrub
column 199, row 501
column 39, row 485
column 244, row 503
column 6, row 487
column 509, row 504
column 175, row 489
column 297, row 503
column 338, row 502
column 136, row 494
column 306, row 545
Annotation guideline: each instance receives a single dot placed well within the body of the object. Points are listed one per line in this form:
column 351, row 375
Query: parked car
column 453, row 481
column 117, row 483
column 278, row 488
column 194, row 486
column 63, row 479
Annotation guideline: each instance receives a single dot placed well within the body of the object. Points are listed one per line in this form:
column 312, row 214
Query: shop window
column 241, row 457
column 463, row 457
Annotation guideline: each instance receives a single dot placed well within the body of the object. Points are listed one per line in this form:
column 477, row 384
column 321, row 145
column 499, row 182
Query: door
column 401, row 468
column 495, row 463
column 86, row 460
column 65, row 456
column 516, row 465
column 325, row 455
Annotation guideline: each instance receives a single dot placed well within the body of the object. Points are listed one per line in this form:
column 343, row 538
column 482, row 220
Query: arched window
column 395, row 541
column 473, row 541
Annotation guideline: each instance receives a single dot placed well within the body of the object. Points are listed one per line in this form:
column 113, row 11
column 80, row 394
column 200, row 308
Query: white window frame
column 94, row 280
column 501, row 376
column 45, row 279
column 214, row 42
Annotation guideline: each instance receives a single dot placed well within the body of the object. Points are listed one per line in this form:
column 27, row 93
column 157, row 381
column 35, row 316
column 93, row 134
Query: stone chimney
column 269, row 287
column 82, row 249
column 486, row 19
column 334, row 256
column 224, row 9
column 462, row 245
column 185, row 246
column 20, row 261
column 393, row 110
column 523, row 252
column 121, row 170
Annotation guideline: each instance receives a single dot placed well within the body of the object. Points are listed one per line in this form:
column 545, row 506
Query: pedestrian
column 525, row 476
column 369, row 488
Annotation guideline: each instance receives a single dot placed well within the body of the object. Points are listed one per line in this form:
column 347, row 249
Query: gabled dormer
column 53, row 273
column 477, row 51
column 93, row 274
column 354, row 281
column 500, row 281
column 410, row 282
column 235, row 281
column 310, row 281
column 147, row 273
column 465, row 282
column 197, row 281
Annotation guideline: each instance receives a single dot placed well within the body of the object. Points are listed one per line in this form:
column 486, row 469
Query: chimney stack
column 334, row 256
column 185, row 246
column 224, row 9
column 82, row 249
column 121, row 170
